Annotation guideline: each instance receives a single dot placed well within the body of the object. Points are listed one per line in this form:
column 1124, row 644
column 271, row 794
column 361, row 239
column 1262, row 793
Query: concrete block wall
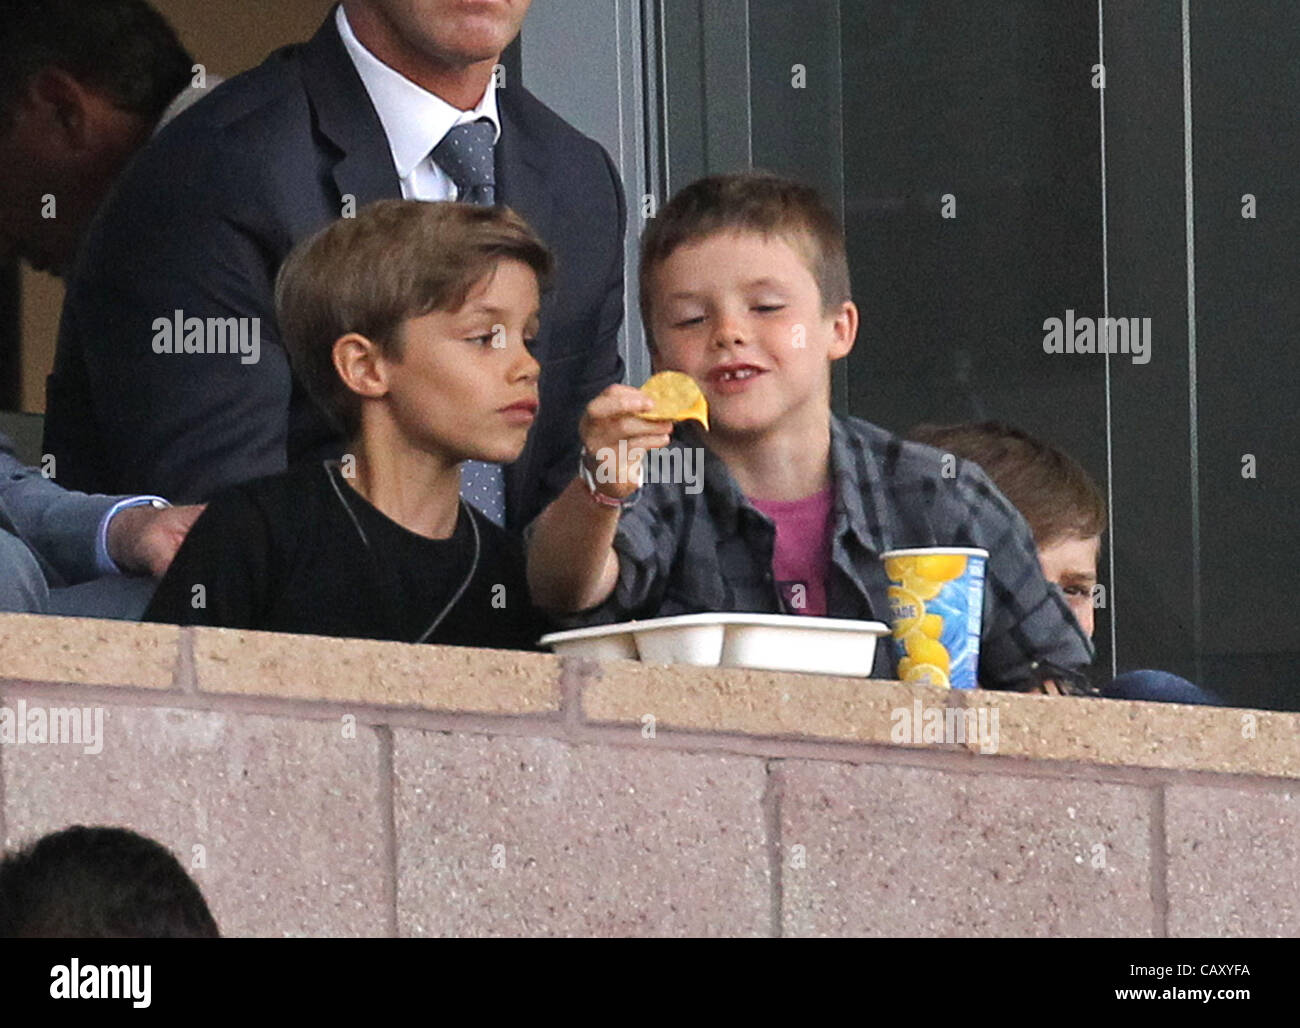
column 322, row 787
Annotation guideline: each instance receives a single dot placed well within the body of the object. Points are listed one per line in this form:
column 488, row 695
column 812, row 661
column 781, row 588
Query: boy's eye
column 768, row 307
column 689, row 321
column 481, row 340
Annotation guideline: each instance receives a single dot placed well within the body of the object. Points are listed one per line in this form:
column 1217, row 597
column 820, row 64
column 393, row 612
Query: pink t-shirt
column 802, row 555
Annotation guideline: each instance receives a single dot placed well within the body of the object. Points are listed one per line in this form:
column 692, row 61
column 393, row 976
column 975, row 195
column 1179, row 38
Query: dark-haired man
column 83, row 85
column 391, row 98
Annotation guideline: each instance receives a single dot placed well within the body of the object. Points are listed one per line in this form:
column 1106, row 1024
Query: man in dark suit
column 200, row 223
column 83, row 84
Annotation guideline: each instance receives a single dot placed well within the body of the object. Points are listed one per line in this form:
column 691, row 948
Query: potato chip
column 676, row 397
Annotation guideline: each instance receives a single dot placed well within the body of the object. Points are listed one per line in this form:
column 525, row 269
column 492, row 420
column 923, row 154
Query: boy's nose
column 728, row 332
column 525, row 367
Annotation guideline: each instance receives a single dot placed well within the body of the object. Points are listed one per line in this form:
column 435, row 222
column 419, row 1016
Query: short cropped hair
column 99, row 883
column 122, row 48
column 1051, row 489
column 396, row 260
column 758, row 202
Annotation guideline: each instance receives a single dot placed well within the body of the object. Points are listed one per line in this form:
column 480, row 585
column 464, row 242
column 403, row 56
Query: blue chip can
column 936, row 601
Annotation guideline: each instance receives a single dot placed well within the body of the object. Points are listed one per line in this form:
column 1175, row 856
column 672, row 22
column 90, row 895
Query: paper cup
column 936, row 604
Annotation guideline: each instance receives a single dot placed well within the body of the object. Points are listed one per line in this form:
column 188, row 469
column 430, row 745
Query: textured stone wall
column 349, row 788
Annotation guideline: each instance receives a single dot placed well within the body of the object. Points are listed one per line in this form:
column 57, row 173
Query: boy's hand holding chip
column 615, row 436
column 622, row 423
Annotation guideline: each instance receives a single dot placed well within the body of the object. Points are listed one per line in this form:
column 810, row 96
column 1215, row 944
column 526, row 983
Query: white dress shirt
column 414, row 120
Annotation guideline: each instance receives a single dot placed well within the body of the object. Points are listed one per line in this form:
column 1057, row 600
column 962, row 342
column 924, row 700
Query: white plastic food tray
column 772, row 642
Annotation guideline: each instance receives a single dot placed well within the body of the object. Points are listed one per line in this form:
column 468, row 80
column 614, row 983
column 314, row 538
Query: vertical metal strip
column 1105, row 305
column 840, row 369
column 1192, row 411
column 657, row 79
column 749, row 93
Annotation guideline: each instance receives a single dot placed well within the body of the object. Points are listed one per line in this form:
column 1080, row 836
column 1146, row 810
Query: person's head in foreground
column 1057, row 497
column 745, row 287
column 82, row 85
column 99, row 883
column 411, row 325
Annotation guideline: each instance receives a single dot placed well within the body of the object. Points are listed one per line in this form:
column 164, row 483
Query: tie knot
column 466, row 155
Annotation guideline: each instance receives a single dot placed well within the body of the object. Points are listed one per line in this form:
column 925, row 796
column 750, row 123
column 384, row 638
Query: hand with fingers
column 616, row 437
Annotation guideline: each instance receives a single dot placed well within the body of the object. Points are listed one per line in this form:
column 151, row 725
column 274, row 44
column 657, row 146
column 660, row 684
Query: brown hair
column 396, row 260
column 1049, row 487
column 750, row 202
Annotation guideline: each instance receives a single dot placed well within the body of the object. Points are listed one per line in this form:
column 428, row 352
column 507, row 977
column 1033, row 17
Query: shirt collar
column 414, row 120
column 859, row 502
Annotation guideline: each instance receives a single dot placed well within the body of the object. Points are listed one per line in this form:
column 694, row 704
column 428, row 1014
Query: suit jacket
column 59, row 526
column 200, row 223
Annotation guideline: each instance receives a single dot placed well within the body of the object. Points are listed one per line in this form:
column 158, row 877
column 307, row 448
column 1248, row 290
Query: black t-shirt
column 304, row 552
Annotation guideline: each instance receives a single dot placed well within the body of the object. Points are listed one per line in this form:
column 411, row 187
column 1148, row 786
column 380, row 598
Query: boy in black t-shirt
column 411, row 325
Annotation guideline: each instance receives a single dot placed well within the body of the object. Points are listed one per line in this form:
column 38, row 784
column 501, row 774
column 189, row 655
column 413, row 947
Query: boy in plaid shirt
column 745, row 288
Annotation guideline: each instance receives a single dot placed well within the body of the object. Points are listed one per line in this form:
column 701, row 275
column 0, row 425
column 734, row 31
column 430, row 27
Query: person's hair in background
column 1054, row 494
column 1050, row 488
column 1066, row 513
column 370, row 275
column 99, row 883
column 123, row 49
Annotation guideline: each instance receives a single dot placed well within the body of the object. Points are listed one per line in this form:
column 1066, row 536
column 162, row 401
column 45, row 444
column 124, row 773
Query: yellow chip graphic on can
column 927, row 674
column 925, row 588
column 896, row 568
column 676, row 397
column 924, row 650
column 940, row 567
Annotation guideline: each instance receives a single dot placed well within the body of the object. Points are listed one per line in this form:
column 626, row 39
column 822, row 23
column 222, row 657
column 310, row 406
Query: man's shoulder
column 545, row 127
column 255, row 116
column 249, row 139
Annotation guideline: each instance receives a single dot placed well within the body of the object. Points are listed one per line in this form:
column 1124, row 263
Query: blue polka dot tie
column 466, row 155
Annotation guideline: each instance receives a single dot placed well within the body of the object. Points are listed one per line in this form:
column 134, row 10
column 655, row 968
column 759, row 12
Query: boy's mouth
column 734, row 377
column 522, row 412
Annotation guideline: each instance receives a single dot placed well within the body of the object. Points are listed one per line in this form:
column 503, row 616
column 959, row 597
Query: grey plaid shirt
column 712, row 551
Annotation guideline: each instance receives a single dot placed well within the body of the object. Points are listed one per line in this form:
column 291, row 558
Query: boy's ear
column 845, row 330
column 360, row 364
